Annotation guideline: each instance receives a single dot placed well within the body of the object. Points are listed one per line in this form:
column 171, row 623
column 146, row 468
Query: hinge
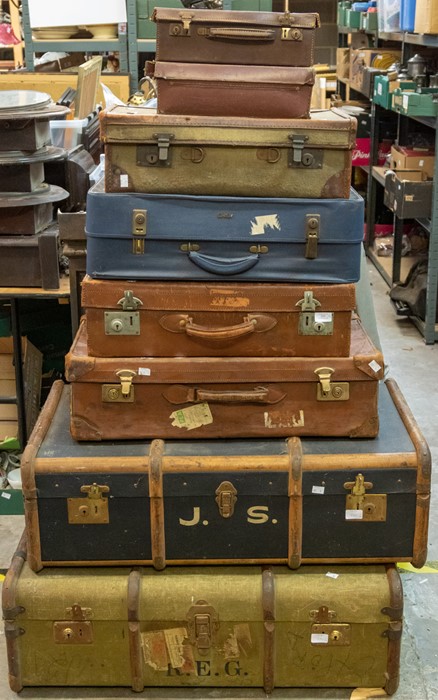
column 226, row 497
column 394, row 630
column 203, row 624
column 12, row 613
column 312, row 236
column 120, row 393
column 12, row 631
column 327, row 390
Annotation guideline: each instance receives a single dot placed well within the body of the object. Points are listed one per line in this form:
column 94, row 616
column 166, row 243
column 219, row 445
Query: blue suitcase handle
column 223, row 266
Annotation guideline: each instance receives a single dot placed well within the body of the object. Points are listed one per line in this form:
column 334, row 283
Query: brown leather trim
column 395, row 629
column 295, row 494
column 28, row 467
column 303, row 20
column 226, row 562
column 268, row 603
column 12, row 628
column 158, row 542
column 203, row 72
column 424, row 469
column 135, row 654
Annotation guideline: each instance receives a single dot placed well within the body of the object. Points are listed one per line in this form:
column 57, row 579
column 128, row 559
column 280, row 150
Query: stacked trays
column 29, row 255
column 226, row 471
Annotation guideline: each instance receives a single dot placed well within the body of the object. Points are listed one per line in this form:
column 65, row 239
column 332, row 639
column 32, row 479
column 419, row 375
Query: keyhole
column 83, row 510
column 307, row 159
column 335, row 636
column 68, row 633
column 152, row 158
column 318, row 326
column 370, row 508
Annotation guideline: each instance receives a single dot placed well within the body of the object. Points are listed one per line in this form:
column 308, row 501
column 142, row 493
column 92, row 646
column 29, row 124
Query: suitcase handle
column 238, row 33
column 179, row 394
column 223, row 266
column 183, row 323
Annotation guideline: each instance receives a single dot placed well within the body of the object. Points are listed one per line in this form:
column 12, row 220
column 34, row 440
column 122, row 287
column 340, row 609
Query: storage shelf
column 146, row 44
column 407, row 37
column 348, row 82
column 421, row 39
column 42, row 45
column 378, row 174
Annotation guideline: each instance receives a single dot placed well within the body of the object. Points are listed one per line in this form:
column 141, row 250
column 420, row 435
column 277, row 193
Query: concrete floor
column 415, row 367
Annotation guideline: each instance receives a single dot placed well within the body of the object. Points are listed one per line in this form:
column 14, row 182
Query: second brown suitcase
column 209, row 397
column 268, row 92
column 182, row 319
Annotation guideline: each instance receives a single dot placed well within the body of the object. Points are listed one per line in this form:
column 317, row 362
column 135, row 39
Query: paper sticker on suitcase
column 146, row 152
column 165, row 319
column 209, row 397
column 240, row 501
column 224, row 36
column 178, row 237
column 240, row 627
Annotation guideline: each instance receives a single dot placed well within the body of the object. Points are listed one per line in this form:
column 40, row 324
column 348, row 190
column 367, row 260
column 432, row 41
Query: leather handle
column 223, row 266
column 183, row 323
column 240, row 33
column 179, row 394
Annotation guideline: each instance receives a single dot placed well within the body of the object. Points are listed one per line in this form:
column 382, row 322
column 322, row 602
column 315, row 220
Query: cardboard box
column 343, row 63
column 32, row 364
column 374, row 58
column 405, row 158
column 56, row 83
column 408, row 193
column 426, row 17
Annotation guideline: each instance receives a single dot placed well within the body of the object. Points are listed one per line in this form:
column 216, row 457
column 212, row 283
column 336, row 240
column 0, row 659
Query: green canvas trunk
column 228, row 627
column 228, row 156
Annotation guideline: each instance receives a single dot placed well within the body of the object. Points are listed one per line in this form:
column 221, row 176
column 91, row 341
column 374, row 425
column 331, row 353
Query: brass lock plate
column 372, row 505
column 315, row 323
column 330, row 634
column 73, row 632
column 339, row 391
column 291, row 34
column 112, row 393
column 122, row 322
column 203, row 624
column 87, row 511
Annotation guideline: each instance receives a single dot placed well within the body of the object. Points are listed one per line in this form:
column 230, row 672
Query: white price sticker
column 379, row 88
column 421, row 163
column 318, row 489
column 354, row 514
column 319, row 638
column 144, row 371
column 374, row 366
column 6, row 495
column 124, row 182
column 405, row 101
column 330, row 574
column 324, row 316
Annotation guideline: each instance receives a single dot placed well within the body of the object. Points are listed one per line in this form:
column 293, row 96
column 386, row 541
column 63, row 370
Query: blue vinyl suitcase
column 188, row 237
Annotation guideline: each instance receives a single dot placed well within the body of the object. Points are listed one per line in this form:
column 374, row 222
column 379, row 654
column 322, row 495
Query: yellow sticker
column 2, row 578
column 192, row 417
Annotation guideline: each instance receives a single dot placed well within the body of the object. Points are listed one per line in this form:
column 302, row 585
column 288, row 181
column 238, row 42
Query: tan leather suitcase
column 209, row 397
column 234, row 156
column 237, row 627
column 268, row 92
column 224, row 36
column 183, row 319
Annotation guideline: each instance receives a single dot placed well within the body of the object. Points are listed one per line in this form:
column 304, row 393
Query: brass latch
column 312, row 236
column 186, row 18
column 123, row 392
column 361, row 506
column 226, row 497
column 259, row 249
column 188, row 247
column 291, row 34
column 301, row 157
column 139, row 221
column 76, row 630
column 203, row 624
column 155, row 155
column 327, row 390
column 89, row 510
column 325, row 632
column 297, row 147
column 126, row 322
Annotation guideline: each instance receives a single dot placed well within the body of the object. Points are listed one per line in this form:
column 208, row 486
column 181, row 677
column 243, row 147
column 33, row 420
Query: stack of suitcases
column 227, row 468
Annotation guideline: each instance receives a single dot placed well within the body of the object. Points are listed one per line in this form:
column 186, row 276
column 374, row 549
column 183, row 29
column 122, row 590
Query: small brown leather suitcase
column 235, row 156
column 209, row 397
column 227, row 36
column 183, row 319
column 268, row 92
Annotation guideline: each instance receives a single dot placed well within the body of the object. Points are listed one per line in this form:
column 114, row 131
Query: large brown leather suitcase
column 268, row 92
column 224, row 36
column 234, row 627
column 198, row 502
column 209, row 397
column 146, row 152
column 183, row 319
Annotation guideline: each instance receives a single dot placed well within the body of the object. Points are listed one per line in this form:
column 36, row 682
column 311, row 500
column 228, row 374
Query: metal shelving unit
column 32, row 46
column 428, row 327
